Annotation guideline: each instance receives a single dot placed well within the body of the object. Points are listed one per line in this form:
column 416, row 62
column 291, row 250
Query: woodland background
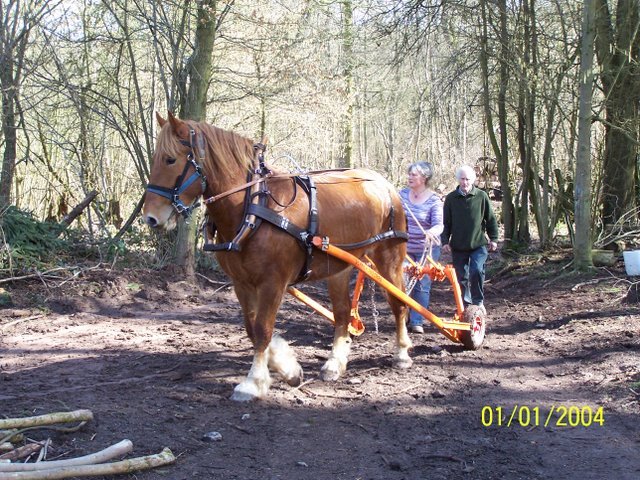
column 543, row 96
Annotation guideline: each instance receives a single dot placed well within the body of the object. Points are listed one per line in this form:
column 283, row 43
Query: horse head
column 176, row 180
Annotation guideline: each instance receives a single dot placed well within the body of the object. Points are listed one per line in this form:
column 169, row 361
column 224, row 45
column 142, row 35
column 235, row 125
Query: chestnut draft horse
column 352, row 206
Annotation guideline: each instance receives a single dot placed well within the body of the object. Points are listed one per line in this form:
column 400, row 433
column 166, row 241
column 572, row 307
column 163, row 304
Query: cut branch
column 118, row 450
column 116, row 468
column 18, row 453
column 79, row 209
column 48, row 419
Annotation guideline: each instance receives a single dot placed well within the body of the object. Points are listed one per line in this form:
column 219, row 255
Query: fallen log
column 116, row 468
column 109, row 453
column 68, row 219
column 48, row 419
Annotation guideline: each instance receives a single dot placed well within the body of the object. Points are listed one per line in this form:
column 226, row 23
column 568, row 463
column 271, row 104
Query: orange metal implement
column 450, row 329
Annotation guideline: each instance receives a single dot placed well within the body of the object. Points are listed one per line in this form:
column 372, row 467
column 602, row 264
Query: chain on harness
column 173, row 194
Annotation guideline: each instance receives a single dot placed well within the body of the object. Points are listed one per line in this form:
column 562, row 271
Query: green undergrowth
column 28, row 244
column 26, row 241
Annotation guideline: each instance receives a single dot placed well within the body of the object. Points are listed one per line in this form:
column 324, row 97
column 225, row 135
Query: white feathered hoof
column 246, row 392
column 402, row 362
column 283, row 360
column 332, row 370
column 295, row 379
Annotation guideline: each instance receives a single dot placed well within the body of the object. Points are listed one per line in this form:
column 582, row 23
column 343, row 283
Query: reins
column 277, row 176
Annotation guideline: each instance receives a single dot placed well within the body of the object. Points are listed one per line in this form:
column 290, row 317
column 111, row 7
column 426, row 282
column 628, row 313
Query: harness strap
column 303, row 236
column 309, row 186
column 252, row 198
column 381, row 236
column 279, row 221
column 276, row 176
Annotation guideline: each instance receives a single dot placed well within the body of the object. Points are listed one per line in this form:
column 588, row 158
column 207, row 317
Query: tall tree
column 500, row 145
column 618, row 53
column 18, row 20
column 194, row 86
column 582, row 247
column 345, row 159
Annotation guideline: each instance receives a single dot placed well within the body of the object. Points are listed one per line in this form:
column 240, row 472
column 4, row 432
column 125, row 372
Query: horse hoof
column 295, row 380
column 402, row 363
column 331, row 371
column 329, row 376
column 244, row 393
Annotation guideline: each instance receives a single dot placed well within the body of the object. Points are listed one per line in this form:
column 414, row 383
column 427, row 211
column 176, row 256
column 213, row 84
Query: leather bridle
column 183, row 182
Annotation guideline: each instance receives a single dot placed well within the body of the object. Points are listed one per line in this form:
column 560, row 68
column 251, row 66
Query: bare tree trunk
column 582, row 246
column 500, row 148
column 17, row 20
column 198, row 71
column 618, row 52
column 9, row 127
column 345, row 160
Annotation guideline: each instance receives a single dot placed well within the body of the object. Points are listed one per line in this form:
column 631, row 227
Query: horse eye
column 171, row 161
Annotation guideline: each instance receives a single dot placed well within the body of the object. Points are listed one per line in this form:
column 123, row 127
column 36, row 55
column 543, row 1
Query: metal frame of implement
column 453, row 329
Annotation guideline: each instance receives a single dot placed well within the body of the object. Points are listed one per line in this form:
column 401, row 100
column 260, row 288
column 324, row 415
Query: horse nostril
column 151, row 221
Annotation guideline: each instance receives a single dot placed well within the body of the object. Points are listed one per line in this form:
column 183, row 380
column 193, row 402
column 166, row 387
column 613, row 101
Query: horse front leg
column 336, row 365
column 260, row 306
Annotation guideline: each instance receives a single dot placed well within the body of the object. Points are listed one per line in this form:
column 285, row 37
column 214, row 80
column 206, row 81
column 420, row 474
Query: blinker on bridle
column 181, row 185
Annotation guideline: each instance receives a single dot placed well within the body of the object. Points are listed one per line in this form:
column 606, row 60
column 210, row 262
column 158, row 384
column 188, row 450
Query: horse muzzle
column 165, row 219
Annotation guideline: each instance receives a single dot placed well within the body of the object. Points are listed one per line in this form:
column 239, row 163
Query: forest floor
column 156, row 361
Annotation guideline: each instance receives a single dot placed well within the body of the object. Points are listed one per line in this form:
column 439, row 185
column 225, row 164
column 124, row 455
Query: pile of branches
column 29, row 460
column 25, row 240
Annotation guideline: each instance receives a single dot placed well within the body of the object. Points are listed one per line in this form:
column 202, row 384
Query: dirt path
column 157, row 364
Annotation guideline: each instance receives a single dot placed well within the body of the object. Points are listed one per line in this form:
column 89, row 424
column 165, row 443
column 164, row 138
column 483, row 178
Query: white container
column 632, row 262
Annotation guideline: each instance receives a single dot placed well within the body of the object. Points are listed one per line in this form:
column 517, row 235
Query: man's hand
column 493, row 246
column 446, row 248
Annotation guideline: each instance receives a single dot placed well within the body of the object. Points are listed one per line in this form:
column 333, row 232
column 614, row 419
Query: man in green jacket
column 468, row 219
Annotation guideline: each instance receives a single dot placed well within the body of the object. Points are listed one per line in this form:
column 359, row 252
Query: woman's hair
column 469, row 171
column 423, row 168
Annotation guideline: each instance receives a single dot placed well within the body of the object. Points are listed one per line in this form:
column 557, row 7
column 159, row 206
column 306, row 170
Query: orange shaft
column 384, row 283
column 357, row 290
column 312, row 303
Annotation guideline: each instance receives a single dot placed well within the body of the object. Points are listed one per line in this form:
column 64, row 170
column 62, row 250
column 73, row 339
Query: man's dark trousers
column 469, row 266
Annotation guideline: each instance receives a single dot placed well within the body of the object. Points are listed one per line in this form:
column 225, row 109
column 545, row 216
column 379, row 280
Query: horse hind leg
column 336, row 365
column 389, row 264
column 282, row 359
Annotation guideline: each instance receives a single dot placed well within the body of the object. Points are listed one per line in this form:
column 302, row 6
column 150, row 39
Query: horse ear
column 180, row 128
column 161, row 121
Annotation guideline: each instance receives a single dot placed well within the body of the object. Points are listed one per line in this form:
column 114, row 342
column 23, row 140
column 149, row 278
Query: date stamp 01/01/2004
column 554, row 416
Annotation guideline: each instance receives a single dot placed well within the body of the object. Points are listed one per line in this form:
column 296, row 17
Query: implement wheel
column 476, row 317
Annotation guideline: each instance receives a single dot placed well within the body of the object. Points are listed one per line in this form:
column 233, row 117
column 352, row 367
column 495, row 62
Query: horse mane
column 226, row 151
